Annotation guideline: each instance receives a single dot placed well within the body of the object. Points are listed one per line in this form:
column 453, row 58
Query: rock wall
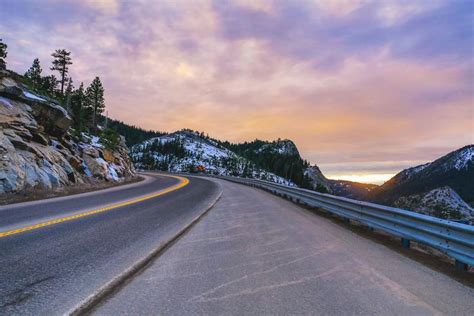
column 39, row 151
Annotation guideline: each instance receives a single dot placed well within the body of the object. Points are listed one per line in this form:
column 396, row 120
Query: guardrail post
column 460, row 265
column 405, row 243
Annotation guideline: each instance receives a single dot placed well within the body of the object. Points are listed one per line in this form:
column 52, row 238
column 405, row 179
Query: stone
column 109, row 156
column 91, row 151
column 41, row 138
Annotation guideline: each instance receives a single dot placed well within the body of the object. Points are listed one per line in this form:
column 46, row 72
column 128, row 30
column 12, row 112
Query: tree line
column 85, row 105
column 287, row 165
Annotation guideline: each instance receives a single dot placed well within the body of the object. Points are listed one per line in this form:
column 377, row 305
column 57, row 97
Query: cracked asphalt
column 255, row 253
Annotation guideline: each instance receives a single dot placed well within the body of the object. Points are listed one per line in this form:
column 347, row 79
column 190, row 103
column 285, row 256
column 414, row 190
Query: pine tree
column 69, row 89
column 49, row 85
column 34, row 74
column 77, row 103
column 3, row 55
column 81, row 113
column 61, row 62
column 95, row 99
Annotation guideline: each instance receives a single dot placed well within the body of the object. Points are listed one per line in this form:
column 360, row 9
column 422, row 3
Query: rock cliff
column 39, row 150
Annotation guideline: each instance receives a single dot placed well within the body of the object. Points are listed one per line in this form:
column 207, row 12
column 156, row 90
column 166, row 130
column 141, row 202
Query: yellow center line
column 183, row 182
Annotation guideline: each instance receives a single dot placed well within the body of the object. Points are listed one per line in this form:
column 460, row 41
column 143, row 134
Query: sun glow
column 376, row 178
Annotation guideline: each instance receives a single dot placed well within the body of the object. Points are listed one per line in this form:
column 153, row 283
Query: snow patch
column 95, row 142
column 113, row 173
column 464, row 158
column 32, row 96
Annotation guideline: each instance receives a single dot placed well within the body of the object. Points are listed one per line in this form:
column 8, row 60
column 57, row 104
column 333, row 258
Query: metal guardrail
column 454, row 239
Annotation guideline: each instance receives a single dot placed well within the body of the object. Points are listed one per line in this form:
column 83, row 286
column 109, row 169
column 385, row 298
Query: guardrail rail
column 454, row 239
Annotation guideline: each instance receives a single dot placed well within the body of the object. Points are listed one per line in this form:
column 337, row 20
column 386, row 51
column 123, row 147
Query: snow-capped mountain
column 189, row 151
column 455, row 170
column 442, row 188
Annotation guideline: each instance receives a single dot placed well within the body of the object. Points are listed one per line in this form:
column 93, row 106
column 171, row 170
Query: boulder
column 11, row 173
column 109, row 156
column 97, row 166
column 51, row 116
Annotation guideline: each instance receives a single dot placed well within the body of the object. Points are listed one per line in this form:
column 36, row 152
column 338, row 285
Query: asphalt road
column 49, row 270
column 255, row 253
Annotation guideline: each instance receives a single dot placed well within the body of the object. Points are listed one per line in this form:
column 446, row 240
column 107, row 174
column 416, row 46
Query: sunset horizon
column 364, row 89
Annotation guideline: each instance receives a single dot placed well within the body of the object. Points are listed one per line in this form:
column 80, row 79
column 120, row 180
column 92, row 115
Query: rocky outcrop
column 39, row 151
column 318, row 181
column 440, row 202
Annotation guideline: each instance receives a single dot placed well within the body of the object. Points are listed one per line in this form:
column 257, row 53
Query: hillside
column 352, row 190
column 442, row 188
column 189, row 151
column 40, row 151
column 441, row 202
column 133, row 134
column 454, row 170
column 280, row 157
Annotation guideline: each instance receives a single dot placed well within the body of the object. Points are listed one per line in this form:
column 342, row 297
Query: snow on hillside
column 463, row 158
column 441, row 202
column 186, row 151
column 410, row 172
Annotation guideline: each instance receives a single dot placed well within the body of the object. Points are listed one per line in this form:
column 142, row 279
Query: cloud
column 327, row 32
column 104, row 6
column 353, row 83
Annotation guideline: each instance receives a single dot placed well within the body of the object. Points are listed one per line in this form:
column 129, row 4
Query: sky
column 364, row 88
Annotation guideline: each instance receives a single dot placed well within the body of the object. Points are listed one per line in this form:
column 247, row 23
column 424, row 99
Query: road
column 49, row 270
column 255, row 253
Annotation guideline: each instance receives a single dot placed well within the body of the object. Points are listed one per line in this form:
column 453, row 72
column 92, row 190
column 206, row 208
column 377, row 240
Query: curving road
column 54, row 253
column 252, row 253
column 255, row 253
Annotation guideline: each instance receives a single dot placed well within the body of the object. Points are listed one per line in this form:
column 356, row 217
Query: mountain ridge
column 455, row 170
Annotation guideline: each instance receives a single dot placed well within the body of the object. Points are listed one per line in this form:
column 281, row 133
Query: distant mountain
column 189, row 151
column 437, row 188
column 443, row 188
column 454, row 170
column 352, row 190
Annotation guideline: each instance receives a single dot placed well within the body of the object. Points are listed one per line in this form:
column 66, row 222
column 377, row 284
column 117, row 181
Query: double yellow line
column 182, row 182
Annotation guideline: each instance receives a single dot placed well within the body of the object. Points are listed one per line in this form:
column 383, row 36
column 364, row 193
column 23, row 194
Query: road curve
column 50, row 269
column 255, row 253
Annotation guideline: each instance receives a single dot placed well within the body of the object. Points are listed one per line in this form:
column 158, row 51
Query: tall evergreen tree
column 61, row 63
column 69, row 89
column 34, row 74
column 95, row 99
column 80, row 112
column 49, row 85
column 3, row 55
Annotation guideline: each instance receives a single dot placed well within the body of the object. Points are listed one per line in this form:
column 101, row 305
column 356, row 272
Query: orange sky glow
column 364, row 88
